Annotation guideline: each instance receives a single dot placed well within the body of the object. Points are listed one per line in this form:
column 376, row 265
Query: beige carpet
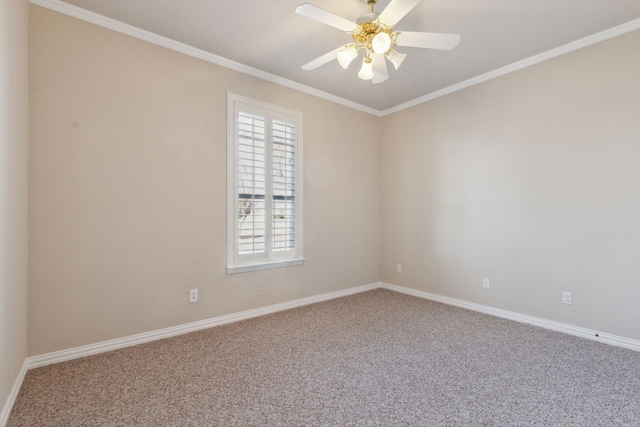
column 374, row 359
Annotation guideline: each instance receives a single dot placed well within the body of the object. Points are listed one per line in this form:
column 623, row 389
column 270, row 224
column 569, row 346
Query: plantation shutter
column 283, row 185
column 265, row 188
column 252, row 183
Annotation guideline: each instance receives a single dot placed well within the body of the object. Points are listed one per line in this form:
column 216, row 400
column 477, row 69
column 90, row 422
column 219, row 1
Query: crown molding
column 130, row 30
column 112, row 24
column 519, row 65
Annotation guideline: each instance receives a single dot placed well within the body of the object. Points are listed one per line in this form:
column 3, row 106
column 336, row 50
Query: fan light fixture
column 346, row 55
column 373, row 34
column 366, row 72
column 395, row 57
column 381, row 43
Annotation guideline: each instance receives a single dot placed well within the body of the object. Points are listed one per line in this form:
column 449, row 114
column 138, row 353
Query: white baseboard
column 522, row 318
column 104, row 346
column 13, row 395
column 101, row 347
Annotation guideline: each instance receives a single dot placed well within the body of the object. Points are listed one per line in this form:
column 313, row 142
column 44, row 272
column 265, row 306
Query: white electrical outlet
column 567, row 297
column 193, row 296
column 485, row 283
column 398, row 268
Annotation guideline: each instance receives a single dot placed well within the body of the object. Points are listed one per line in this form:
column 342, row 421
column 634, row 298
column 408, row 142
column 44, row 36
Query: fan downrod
column 369, row 26
column 370, row 3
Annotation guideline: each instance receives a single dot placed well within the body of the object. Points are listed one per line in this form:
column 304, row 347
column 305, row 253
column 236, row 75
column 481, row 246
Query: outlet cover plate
column 193, row 296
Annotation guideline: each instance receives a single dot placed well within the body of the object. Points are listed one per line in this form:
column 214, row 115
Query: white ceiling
column 270, row 36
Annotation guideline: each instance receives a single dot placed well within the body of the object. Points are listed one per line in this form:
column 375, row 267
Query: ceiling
column 270, row 36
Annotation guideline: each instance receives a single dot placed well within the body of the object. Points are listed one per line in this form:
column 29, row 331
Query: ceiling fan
column 374, row 34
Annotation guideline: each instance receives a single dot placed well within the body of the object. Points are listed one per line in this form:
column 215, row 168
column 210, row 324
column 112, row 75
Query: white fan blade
column 327, row 57
column 321, row 15
column 396, row 10
column 427, row 40
column 379, row 64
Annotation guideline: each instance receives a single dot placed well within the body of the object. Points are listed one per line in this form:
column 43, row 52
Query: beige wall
column 532, row 180
column 128, row 189
column 13, row 193
column 529, row 179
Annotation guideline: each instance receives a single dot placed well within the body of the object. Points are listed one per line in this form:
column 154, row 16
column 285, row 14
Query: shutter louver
column 283, row 183
column 251, row 184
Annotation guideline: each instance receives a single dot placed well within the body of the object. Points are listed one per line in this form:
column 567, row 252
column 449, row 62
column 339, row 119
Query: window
column 264, row 186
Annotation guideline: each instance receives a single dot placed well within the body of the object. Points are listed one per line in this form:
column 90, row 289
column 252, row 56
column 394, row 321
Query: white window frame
column 236, row 262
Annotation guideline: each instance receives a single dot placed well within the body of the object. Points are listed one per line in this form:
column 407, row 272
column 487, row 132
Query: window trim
column 234, row 265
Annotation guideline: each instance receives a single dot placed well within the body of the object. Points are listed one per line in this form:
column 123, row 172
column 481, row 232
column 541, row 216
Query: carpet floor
column 378, row 358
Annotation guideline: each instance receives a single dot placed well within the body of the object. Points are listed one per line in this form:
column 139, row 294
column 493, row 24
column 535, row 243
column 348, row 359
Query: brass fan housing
column 370, row 26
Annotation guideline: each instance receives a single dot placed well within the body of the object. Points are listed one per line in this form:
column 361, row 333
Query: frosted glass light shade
column 346, row 55
column 395, row 57
column 381, row 43
column 366, row 72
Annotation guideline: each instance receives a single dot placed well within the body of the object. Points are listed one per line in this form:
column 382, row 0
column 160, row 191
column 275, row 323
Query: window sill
column 264, row 265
